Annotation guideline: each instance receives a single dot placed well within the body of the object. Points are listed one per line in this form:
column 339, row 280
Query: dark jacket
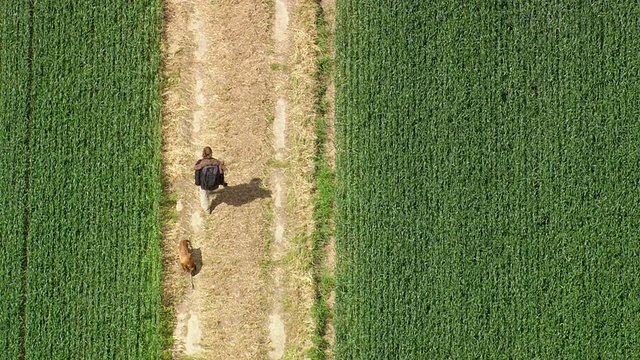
column 209, row 161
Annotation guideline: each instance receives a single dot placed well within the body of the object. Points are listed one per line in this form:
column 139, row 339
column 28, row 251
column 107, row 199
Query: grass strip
column 323, row 199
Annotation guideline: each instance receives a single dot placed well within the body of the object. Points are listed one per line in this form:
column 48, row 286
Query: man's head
column 206, row 152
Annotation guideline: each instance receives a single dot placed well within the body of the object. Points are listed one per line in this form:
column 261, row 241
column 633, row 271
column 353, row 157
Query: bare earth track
column 239, row 78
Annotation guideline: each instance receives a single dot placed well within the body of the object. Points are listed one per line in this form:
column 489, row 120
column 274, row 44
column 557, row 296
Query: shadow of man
column 239, row 195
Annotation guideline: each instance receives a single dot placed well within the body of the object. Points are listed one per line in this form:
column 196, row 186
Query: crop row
column 487, row 173
column 14, row 75
column 90, row 155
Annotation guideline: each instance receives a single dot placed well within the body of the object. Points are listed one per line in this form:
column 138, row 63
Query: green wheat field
column 79, row 179
column 488, row 172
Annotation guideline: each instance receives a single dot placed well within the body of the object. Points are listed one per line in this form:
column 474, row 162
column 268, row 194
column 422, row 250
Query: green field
column 80, row 179
column 488, row 170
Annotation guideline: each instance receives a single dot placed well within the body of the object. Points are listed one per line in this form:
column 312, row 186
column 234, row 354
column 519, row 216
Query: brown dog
column 185, row 256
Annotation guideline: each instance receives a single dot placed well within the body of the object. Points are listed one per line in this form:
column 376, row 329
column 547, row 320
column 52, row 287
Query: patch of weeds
column 169, row 80
column 167, row 324
column 168, row 216
column 168, row 213
column 269, row 118
column 265, row 267
column 279, row 67
column 271, row 162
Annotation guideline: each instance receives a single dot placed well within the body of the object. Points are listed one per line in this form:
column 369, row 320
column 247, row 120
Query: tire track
column 277, row 333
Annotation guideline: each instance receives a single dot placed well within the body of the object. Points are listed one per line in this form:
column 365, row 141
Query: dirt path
column 240, row 80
